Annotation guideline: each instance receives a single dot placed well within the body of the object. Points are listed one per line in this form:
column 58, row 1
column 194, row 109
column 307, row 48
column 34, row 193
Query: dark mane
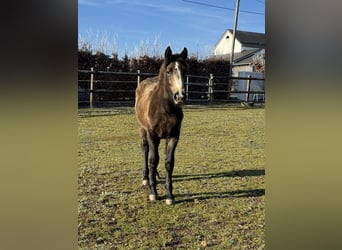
column 175, row 58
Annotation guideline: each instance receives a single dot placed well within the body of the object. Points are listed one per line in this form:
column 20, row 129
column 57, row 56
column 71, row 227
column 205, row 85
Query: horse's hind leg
column 145, row 150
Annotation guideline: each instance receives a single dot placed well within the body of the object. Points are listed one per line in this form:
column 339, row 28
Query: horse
column 158, row 109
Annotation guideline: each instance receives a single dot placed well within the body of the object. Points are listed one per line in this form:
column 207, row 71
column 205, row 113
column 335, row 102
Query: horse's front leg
column 169, row 164
column 153, row 143
column 145, row 150
column 145, row 169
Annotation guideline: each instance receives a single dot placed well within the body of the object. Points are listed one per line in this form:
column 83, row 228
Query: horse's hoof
column 145, row 182
column 152, row 197
column 170, row 201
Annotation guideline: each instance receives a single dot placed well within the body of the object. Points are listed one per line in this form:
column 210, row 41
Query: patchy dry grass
column 219, row 183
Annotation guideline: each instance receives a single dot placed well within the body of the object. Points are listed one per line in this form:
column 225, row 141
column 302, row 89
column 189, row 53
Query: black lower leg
column 152, row 175
column 144, row 146
column 168, row 179
column 169, row 164
column 153, row 163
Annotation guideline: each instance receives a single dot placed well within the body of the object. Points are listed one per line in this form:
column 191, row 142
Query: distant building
column 243, row 41
column 247, row 45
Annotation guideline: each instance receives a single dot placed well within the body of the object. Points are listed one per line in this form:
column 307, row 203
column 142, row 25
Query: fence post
column 91, row 89
column 229, row 87
column 210, row 89
column 187, row 88
column 248, row 88
column 138, row 77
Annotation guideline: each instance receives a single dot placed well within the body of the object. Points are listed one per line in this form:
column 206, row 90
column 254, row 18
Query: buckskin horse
column 158, row 108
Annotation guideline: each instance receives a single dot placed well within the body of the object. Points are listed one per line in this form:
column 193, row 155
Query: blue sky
column 124, row 25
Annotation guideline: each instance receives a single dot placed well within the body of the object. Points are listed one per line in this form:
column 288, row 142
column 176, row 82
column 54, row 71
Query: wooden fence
column 108, row 88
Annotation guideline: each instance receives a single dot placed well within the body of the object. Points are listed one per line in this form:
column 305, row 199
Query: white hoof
column 170, row 201
column 152, row 197
column 145, row 182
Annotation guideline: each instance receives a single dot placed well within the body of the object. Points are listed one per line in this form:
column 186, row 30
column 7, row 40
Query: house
column 243, row 41
column 248, row 46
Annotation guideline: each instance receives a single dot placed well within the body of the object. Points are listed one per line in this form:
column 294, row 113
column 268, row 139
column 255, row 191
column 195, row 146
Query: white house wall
column 225, row 44
column 225, row 48
column 237, row 68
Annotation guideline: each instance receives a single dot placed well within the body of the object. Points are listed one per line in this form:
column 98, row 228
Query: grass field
column 219, row 183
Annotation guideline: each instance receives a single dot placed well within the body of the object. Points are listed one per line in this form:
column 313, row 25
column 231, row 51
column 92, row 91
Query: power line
column 221, row 7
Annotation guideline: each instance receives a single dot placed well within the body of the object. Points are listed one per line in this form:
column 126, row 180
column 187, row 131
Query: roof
column 248, row 39
column 242, row 58
column 245, row 57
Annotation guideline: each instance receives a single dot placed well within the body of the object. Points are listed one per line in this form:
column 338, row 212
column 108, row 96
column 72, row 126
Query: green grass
column 219, row 183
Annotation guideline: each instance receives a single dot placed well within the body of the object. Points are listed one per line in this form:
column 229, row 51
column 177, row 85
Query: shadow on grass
column 192, row 197
column 219, row 195
column 236, row 173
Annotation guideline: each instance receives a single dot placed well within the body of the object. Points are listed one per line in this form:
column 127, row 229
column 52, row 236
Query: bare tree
column 259, row 62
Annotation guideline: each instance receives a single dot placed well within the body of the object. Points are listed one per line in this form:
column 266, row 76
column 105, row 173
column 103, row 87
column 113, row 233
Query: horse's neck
column 164, row 87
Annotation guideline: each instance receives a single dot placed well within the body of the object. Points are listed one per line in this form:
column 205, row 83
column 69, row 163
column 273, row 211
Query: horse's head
column 175, row 65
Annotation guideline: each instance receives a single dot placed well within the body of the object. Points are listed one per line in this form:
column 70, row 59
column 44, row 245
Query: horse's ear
column 168, row 54
column 184, row 53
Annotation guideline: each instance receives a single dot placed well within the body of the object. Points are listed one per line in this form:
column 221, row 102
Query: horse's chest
column 166, row 125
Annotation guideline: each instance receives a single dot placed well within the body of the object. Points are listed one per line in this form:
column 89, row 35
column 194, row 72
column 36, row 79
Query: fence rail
column 101, row 88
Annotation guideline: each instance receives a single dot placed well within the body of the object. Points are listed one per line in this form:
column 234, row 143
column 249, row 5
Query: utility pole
column 230, row 84
column 234, row 34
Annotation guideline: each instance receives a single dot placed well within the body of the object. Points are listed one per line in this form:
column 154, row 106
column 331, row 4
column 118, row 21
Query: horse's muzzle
column 179, row 97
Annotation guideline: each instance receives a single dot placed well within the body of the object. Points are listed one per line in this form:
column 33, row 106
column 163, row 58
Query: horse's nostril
column 178, row 97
